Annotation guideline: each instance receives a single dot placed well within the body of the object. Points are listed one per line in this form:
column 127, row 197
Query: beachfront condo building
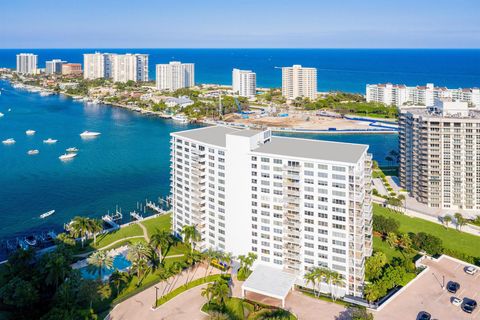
column 71, row 69
column 440, row 154
column 97, row 65
column 175, row 75
column 54, row 66
column 244, row 83
column 27, row 63
column 296, row 203
column 298, row 81
column 129, row 67
column 399, row 95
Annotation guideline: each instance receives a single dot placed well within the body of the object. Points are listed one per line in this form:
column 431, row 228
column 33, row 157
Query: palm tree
column 227, row 258
column 138, row 255
column 191, row 258
column 460, row 220
column 405, row 242
column 312, row 277
column 336, row 280
column 118, row 279
column 161, row 240
column 80, row 227
column 191, row 236
column 56, row 268
column 141, row 267
column 221, row 291
column 391, row 239
column 210, row 255
column 98, row 261
column 96, row 226
column 208, row 292
column 217, row 315
column 447, row 219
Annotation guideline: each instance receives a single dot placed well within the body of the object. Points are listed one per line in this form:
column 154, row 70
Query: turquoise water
column 120, row 263
column 128, row 162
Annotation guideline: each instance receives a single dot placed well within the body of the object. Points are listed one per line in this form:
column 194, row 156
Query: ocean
column 338, row 69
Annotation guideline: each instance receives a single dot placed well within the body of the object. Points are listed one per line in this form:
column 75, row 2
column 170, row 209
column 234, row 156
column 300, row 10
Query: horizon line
column 246, row 48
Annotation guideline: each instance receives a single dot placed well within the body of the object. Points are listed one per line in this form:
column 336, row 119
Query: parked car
column 453, row 286
column 424, row 315
column 456, row 301
column 470, row 270
column 469, row 305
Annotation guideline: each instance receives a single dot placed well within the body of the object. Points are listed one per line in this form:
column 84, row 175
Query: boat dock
column 136, row 216
column 153, row 206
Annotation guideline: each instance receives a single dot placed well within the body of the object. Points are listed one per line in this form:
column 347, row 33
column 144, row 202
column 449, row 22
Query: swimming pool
column 120, row 263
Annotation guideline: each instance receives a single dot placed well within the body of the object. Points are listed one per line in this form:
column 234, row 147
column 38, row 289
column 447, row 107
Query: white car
column 471, row 270
column 457, row 301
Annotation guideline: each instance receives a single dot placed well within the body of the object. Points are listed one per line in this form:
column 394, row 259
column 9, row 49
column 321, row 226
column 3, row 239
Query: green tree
column 220, row 292
column 161, row 241
column 391, row 239
column 427, row 242
column 460, row 220
column 19, row 293
column 98, row 261
column 359, row 313
column 385, row 225
column 374, row 265
column 80, row 227
column 56, row 267
column 118, row 279
column 191, row 236
column 446, row 220
column 96, row 226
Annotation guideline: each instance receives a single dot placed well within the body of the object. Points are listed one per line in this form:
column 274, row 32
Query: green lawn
column 106, row 239
column 163, row 222
column 452, row 239
column 380, row 245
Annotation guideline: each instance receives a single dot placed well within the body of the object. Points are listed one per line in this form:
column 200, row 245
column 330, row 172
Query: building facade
column 54, row 66
column 298, row 81
column 399, row 95
column 71, row 69
column 175, row 75
column 27, row 63
column 296, row 203
column 97, row 65
column 129, row 67
column 244, row 83
column 439, row 154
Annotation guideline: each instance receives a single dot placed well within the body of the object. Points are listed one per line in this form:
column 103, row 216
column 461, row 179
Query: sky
column 239, row 24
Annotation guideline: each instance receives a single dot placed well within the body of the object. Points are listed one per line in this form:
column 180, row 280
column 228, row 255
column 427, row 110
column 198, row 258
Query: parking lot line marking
column 458, row 266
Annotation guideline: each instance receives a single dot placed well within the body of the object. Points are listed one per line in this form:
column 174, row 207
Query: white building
column 181, row 102
column 97, row 65
column 296, row 203
column 54, row 66
column 27, row 63
column 126, row 67
column 244, row 83
column 175, row 75
column 399, row 95
column 298, row 81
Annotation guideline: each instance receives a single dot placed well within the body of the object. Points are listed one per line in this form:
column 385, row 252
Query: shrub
column 428, row 243
column 385, row 225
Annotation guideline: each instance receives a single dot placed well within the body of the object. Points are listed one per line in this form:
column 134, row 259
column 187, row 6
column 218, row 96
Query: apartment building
column 296, row 203
column 244, row 83
column 27, row 63
column 129, row 67
column 71, row 69
column 97, row 65
column 175, row 75
column 440, row 154
column 399, row 95
column 54, row 66
column 298, row 81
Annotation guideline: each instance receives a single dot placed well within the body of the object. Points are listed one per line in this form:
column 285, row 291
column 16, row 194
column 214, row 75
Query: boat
column 30, row 132
column 88, row 134
column 1, row 114
column 50, row 141
column 9, row 141
column 33, row 152
column 72, row 149
column 47, row 214
column 180, row 118
column 31, row 240
column 67, row 156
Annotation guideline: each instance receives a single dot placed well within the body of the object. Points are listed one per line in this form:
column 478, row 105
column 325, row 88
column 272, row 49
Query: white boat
column 30, row 132
column 73, row 149
column 33, row 152
column 9, row 141
column 50, row 141
column 47, row 214
column 67, row 156
column 87, row 134
column 1, row 114
column 31, row 240
column 180, row 118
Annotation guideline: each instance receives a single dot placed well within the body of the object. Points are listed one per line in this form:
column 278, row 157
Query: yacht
column 72, row 149
column 67, row 156
column 33, row 152
column 1, row 114
column 9, row 141
column 47, row 214
column 180, row 118
column 30, row 132
column 88, row 134
column 31, row 240
column 50, row 141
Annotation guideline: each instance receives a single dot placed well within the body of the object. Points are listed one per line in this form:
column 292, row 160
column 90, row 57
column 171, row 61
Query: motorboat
column 1, row 114
column 9, row 141
column 47, row 214
column 31, row 240
column 67, row 156
column 89, row 134
column 72, row 149
column 30, row 132
column 33, row 152
column 50, row 141
column 180, row 118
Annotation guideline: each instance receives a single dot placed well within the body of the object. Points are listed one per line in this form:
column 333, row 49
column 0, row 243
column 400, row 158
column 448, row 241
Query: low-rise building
column 54, row 66
column 71, row 69
column 181, row 102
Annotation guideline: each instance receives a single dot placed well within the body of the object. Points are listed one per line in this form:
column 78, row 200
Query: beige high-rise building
column 244, row 83
column 298, row 81
column 129, row 67
column 27, row 63
column 440, row 154
column 175, row 75
column 97, row 65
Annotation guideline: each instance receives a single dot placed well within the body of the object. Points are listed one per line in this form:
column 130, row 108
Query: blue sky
column 240, row 23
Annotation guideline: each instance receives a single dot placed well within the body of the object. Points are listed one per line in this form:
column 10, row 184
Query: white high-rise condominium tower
column 244, row 83
column 175, row 75
column 129, row 66
column 54, row 66
column 296, row 203
column 27, row 63
column 298, row 81
column 97, row 65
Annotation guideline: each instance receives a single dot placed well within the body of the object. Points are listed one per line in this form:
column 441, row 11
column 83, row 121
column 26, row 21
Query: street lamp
column 156, row 295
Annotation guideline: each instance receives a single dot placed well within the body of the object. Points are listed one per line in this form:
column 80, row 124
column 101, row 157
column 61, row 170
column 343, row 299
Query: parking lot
column 425, row 293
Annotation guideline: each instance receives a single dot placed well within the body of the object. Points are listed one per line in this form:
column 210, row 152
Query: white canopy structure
column 269, row 282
